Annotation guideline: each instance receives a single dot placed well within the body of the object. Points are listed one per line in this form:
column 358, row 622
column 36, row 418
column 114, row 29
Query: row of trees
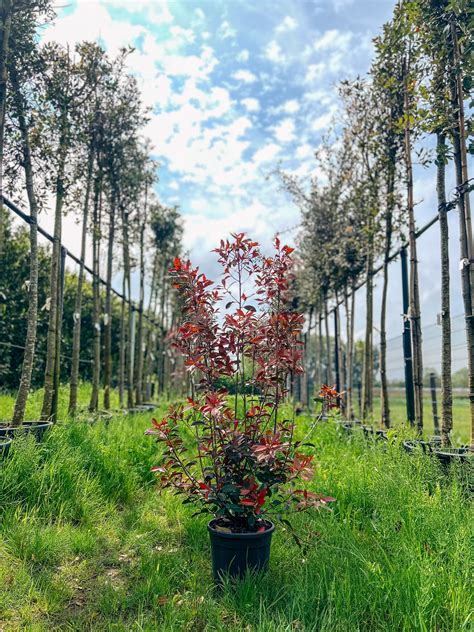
column 72, row 130
column 362, row 204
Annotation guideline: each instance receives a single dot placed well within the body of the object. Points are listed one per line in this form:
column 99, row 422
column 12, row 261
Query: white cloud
column 273, row 52
column 315, row 71
column 243, row 55
column 203, row 232
column 304, row 151
column 323, row 121
column 244, row 75
column 341, row 4
column 285, row 131
column 333, row 39
column 251, row 105
column 226, row 31
column 199, row 13
column 267, row 153
column 287, row 24
column 290, row 107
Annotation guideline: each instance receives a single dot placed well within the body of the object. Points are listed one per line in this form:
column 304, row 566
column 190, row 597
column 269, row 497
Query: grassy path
column 86, row 543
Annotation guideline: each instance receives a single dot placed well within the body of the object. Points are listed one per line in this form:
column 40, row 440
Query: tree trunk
column 385, row 405
column 6, row 20
column 140, row 350
column 465, row 227
column 123, row 342
column 76, row 336
column 446, row 384
column 350, row 356
column 149, row 355
column 54, row 307
column 367, row 383
column 415, row 315
column 329, row 374
column 108, row 307
column 30, row 342
column 130, row 321
column 320, row 351
column 96, row 235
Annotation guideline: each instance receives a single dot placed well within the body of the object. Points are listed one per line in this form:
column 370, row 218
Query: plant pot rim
column 454, row 451
column 28, row 423
column 5, row 441
column 245, row 535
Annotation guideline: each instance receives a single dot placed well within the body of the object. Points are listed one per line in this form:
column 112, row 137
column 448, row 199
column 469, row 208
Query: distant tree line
column 72, row 130
column 362, row 202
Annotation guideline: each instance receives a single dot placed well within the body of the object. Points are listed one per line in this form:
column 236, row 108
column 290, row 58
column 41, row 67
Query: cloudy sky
column 236, row 86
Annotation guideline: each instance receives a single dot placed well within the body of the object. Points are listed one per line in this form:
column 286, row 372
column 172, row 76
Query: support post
column 407, row 351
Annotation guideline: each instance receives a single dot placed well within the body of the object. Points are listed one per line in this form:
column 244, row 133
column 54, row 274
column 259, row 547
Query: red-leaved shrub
column 235, row 456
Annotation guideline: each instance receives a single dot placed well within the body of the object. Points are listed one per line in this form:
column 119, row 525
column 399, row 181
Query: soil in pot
column 234, row 552
column 36, row 428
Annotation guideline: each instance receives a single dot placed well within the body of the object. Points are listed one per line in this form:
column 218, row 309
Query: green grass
column 461, row 415
column 86, row 543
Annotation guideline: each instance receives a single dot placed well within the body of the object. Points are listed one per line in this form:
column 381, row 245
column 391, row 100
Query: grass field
column 461, row 419
column 86, row 543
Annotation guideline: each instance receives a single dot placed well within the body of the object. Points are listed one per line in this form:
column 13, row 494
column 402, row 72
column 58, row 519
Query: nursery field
column 86, row 543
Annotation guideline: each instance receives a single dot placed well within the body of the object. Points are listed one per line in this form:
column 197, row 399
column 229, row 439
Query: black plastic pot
column 146, row 407
column 454, row 455
column 381, row 434
column 348, row 426
column 4, row 447
column 368, row 431
column 153, row 404
column 236, row 553
column 36, row 428
column 411, row 446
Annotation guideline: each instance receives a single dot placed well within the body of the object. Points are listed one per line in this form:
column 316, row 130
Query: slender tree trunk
column 465, row 226
column 123, row 343
column 96, row 235
column 446, row 384
column 329, row 374
column 338, row 345
column 30, row 342
column 150, row 331
column 130, row 320
column 304, row 376
column 320, row 350
column 415, row 315
column 385, row 404
column 347, row 398
column 54, row 307
column 5, row 29
column 108, row 307
column 76, row 336
column 367, row 383
column 140, row 350
column 350, row 356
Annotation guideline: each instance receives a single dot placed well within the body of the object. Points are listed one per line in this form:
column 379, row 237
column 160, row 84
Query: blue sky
column 236, row 87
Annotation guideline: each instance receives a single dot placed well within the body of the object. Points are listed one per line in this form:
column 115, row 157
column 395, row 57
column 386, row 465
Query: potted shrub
column 236, row 457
